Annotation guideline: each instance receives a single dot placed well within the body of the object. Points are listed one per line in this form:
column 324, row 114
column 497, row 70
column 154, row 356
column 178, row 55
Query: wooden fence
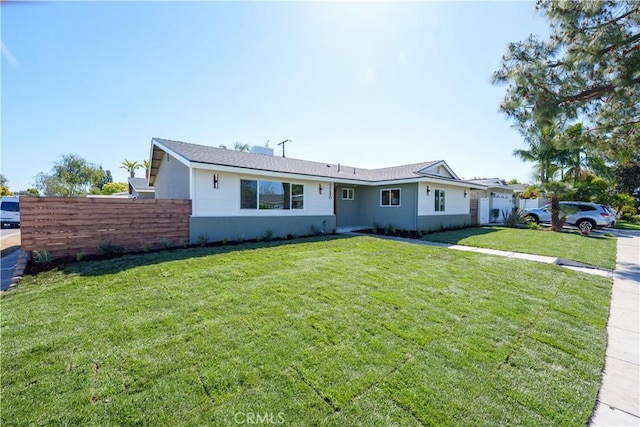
column 65, row 226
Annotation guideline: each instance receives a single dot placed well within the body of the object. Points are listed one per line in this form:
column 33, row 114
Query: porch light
column 319, row 188
column 428, row 190
column 465, row 193
column 215, row 180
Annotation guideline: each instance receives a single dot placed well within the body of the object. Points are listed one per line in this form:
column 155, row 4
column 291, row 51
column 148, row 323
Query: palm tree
column 238, row 146
column 541, row 151
column 146, row 164
column 131, row 167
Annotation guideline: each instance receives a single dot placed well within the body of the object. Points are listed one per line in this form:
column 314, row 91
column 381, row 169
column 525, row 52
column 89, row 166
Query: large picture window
column 266, row 195
column 439, row 206
column 390, row 197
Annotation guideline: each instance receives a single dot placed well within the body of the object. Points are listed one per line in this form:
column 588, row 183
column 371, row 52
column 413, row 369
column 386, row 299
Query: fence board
column 66, row 226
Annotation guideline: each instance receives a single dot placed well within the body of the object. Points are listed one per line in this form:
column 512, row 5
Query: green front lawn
column 591, row 250
column 334, row 331
column 626, row 225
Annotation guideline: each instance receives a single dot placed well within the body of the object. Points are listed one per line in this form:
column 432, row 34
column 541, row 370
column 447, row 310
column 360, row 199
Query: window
column 248, row 194
column 390, row 197
column 297, row 196
column 11, row 206
column 266, row 195
column 439, row 207
column 347, row 194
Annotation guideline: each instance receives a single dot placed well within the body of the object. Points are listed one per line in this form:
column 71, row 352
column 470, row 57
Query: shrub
column 202, row 239
column 225, row 241
column 314, row 230
column 533, row 226
column 42, row 257
column 109, row 248
column 514, row 218
column 79, row 255
column 268, row 235
column 258, row 238
column 165, row 243
column 391, row 228
column 375, row 227
column 628, row 212
column 184, row 244
column 146, row 246
column 240, row 239
column 420, row 233
column 635, row 219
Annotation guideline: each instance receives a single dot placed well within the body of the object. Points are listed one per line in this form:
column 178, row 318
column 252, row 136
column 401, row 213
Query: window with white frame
column 439, row 206
column 347, row 194
column 390, row 197
column 269, row 195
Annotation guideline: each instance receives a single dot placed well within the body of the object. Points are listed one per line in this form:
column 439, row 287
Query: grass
column 626, row 225
column 591, row 250
column 331, row 331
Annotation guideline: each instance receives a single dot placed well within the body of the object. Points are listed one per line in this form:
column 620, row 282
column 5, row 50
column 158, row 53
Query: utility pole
column 282, row 143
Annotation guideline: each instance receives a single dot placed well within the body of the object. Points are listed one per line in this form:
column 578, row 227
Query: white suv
column 10, row 207
column 585, row 216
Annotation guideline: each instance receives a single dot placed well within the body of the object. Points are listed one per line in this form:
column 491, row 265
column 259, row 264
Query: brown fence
column 65, row 226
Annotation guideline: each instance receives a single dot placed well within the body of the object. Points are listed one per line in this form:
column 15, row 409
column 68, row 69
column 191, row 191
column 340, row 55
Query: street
column 9, row 237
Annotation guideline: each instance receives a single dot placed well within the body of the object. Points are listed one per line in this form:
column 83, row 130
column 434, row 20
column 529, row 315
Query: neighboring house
column 239, row 195
column 139, row 189
column 496, row 199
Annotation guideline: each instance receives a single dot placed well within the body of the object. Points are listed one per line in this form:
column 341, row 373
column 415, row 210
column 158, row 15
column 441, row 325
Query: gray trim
column 249, row 227
column 436, row 222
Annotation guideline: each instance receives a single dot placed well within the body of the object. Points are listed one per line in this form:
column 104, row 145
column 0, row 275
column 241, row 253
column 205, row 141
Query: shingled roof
column 224, row 157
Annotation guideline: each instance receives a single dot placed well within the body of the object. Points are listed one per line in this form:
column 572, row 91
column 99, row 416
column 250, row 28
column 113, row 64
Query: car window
column 10, row 206
column 587, row 208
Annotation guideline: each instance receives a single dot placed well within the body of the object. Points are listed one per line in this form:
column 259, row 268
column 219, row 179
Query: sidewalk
column 618, row 402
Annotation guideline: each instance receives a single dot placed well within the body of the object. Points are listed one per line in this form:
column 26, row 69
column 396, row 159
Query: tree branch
column 594, row 92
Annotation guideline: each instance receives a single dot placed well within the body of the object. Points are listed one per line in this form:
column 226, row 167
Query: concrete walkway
column 618, row 402
column 507, row 254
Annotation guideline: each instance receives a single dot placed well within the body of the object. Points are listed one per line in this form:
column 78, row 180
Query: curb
column 18, row 272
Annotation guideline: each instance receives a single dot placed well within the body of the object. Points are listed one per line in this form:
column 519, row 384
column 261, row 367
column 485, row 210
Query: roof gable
column 440, row 169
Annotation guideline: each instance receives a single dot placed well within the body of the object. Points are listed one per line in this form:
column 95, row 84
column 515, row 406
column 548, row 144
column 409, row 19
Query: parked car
column 612, row 215
column 10, row 211
column 586, row 216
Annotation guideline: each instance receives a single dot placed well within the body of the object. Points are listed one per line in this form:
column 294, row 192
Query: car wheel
column 534, row 218
column 586, row 225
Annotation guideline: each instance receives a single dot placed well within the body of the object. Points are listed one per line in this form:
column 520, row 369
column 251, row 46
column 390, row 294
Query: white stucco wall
column 225, row 200
column 455, row 202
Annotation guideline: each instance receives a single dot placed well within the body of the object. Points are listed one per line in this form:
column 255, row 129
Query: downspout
column 415, row 216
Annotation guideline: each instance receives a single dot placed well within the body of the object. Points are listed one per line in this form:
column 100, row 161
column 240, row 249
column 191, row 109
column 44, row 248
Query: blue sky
column 363, row 84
